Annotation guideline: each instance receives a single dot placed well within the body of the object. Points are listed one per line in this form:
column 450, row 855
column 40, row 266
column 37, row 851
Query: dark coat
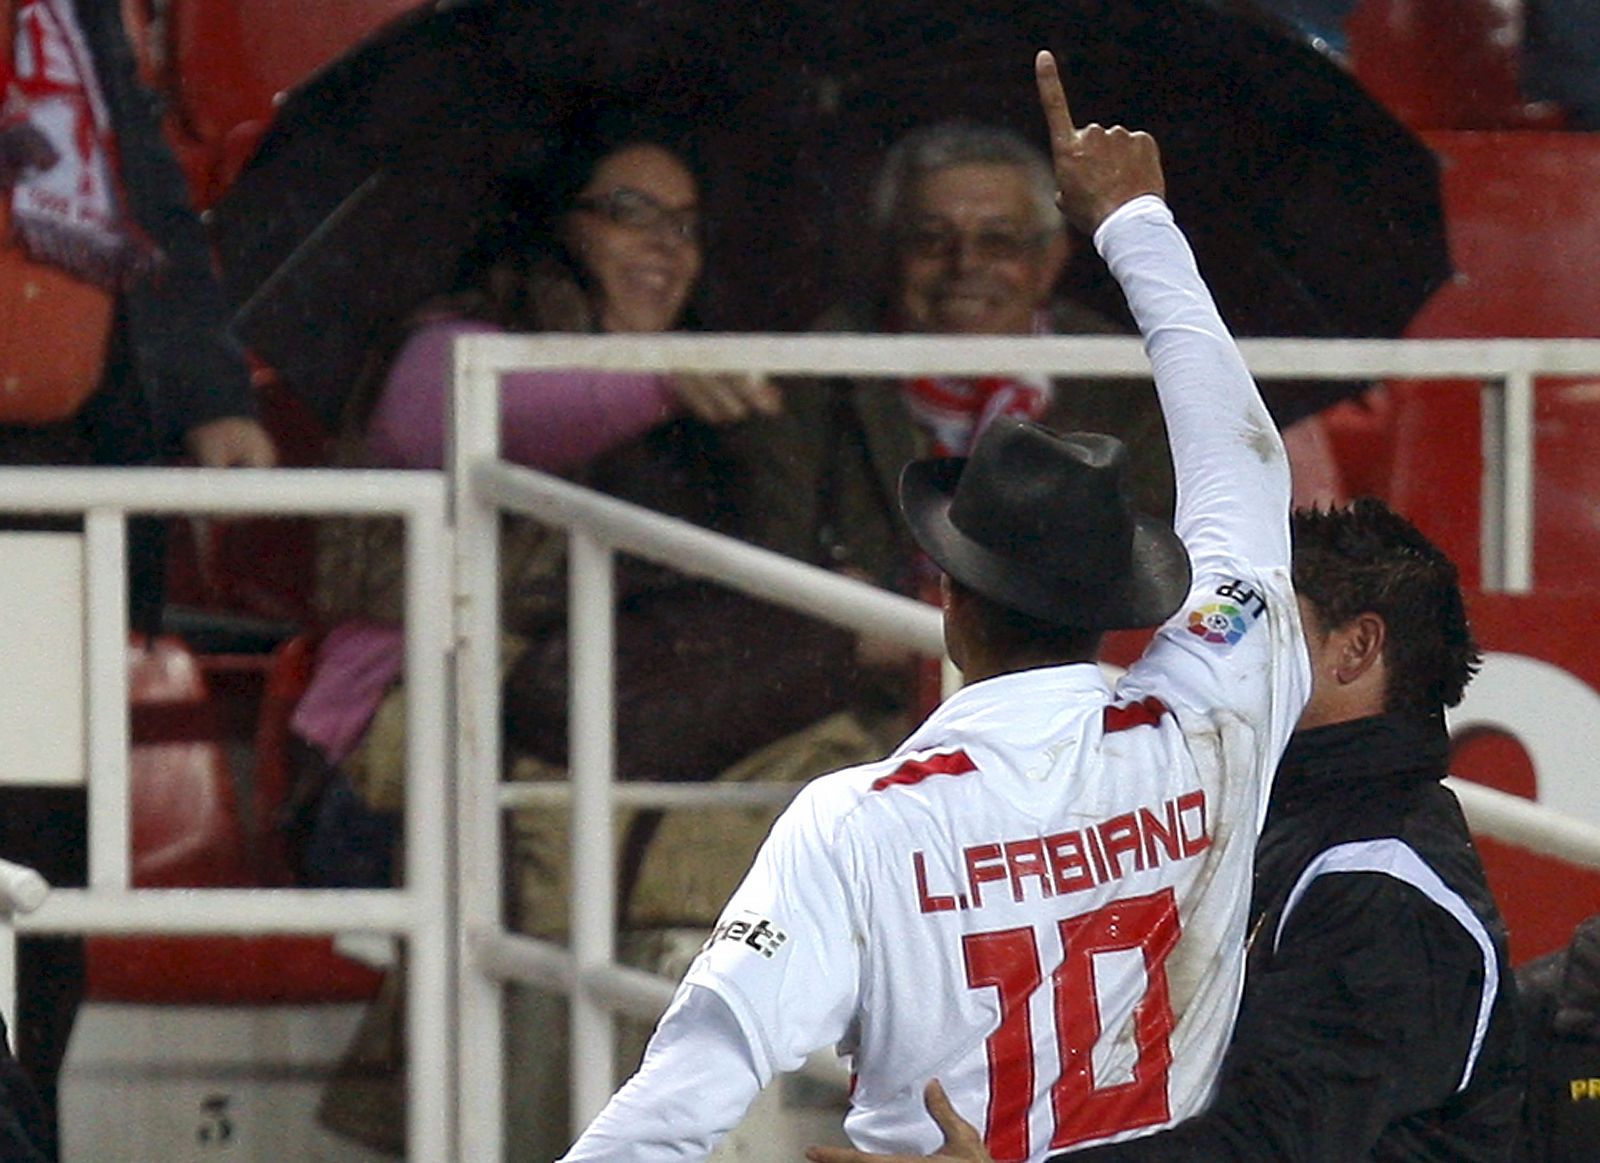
column 173, row 364
column 1561, row 1015
column 1359, row 1014
column 823, row 477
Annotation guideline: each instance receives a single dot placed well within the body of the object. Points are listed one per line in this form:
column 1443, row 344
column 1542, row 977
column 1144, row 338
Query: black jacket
column 1362, row 990
column 173, row 365
column 1561, row 1014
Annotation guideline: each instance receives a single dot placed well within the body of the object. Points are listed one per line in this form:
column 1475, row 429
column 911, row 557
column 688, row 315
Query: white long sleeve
column 1231, row 468
column 697, row 1080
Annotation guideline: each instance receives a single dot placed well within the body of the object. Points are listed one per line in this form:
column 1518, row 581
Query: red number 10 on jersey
column 1007, row 960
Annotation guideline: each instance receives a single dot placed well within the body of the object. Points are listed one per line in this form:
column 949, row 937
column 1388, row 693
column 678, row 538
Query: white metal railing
column 422, row 913
column 600, row 527
column 451, row 910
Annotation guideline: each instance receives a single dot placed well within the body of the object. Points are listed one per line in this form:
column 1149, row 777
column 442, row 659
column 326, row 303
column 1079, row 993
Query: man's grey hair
column 955, row 143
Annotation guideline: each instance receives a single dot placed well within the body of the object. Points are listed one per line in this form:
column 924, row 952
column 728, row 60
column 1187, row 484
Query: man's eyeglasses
column 993, row 245
column 637, row 210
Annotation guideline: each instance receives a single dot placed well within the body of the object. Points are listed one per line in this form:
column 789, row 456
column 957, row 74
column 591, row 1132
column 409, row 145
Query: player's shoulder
column 886, row 780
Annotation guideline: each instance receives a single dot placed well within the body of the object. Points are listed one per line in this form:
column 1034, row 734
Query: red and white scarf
column 954, row 410
column 58, row 153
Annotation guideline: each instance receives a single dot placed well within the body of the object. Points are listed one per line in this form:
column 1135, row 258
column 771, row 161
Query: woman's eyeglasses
column 636, row 210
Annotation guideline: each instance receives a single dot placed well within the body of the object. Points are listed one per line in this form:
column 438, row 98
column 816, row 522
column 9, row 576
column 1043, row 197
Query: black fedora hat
column 1040, row 523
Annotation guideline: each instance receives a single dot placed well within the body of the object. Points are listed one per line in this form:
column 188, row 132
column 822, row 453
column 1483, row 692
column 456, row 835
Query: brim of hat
column 1154, row 587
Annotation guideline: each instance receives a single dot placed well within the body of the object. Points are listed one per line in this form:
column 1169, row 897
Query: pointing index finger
column 1054, row 98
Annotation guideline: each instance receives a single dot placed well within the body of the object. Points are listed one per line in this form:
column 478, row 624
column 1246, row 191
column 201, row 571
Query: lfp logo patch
column 1226, row 618
column 1220, row 622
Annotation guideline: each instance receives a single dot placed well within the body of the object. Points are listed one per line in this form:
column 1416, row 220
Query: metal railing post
column 592, row 749
column 106, row 667
column 1517, row 484
column 474, row 435
column 431, row 1026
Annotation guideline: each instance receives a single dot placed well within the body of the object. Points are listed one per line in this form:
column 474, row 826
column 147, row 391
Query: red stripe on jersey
column 1146, row 712
column 916, row 770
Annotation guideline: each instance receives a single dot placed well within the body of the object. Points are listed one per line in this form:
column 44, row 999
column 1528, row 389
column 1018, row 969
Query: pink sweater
column 557, row 421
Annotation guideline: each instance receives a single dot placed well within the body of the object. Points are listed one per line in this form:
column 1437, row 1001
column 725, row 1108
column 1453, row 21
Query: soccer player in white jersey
column 1039, row 898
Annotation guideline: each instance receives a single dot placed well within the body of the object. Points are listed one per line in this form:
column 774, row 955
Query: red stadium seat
column 1435, row 473
column 266, row 567
column 1519, row 206
column 222, row 970
column 53, row 334
column 186, row 832
column 184, row 808
column 1426, row 462
column 1445, row 64
column 1361, row 433
column 231, row 58
column 257, row 567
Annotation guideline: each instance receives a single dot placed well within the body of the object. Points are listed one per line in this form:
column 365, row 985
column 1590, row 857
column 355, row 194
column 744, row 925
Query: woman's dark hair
column 518, row 263
column 520, row 249
column 1366, row 558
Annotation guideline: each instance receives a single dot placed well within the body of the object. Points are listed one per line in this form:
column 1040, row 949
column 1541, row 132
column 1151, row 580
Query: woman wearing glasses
column 607, row 240
column 618, row 251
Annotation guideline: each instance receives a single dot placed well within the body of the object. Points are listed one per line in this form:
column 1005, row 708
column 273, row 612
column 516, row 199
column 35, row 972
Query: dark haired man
column 1379, row 1018
column 1046, row 883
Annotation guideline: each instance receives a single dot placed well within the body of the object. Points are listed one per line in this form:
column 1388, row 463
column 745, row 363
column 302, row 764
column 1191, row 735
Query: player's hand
column 1097, row 169
column 724, row 399
column 962, row 1143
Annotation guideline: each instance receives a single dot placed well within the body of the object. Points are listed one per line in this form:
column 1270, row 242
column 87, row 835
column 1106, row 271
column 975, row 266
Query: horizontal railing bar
column 694, row 550
column 643, row 996
column 1467, row 359
column 645, row 794
column 1523, row 823
column 507, row 956
column 900, row 355
column 1509, row 818
column 221, row 910
column 370, row 492
column 531, row 961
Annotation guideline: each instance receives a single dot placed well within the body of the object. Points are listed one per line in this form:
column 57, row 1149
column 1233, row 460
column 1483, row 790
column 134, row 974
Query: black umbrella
column 1312, row 211
column 380, row 170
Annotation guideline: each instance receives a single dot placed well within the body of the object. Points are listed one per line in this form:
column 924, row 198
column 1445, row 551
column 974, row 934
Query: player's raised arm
column 1232, row 472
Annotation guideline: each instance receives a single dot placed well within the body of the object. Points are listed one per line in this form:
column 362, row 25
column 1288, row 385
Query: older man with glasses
column 974, row 245
column 968, row 241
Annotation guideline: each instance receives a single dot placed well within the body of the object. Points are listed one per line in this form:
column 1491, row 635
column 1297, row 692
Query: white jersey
column 1040, row 898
